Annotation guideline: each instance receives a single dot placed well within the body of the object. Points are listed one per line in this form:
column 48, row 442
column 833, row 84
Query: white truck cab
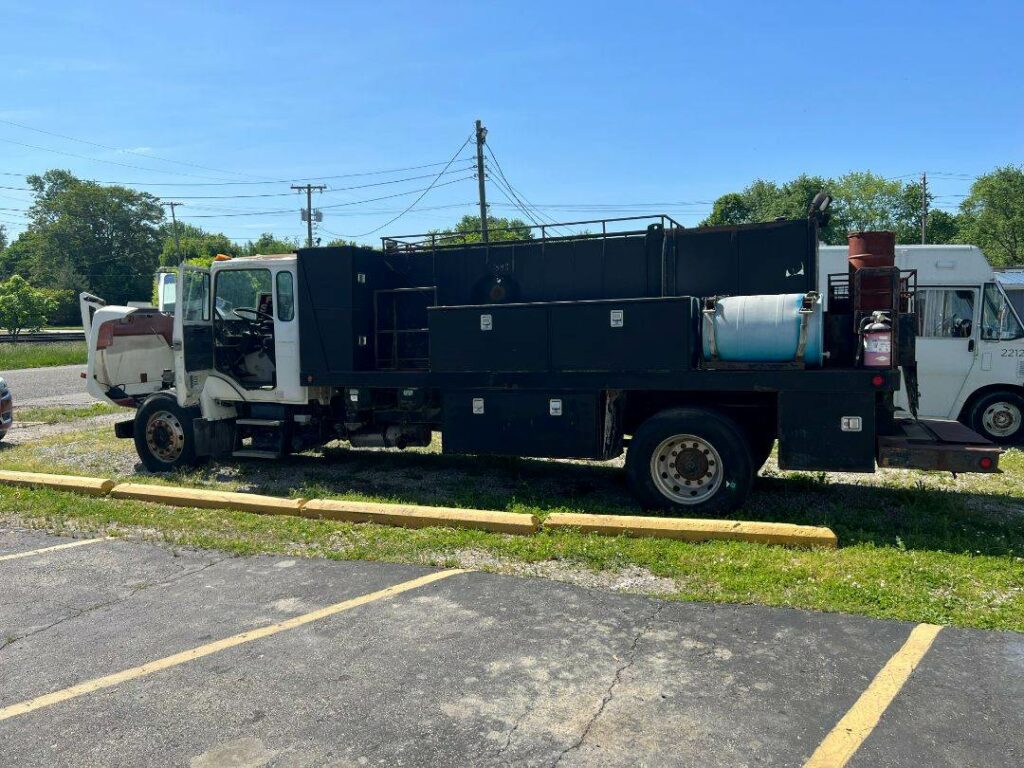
column 220, row 337
column 236, row 332
column 970, row 343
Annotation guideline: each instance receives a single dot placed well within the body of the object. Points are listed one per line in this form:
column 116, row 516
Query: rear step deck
column 937, row 444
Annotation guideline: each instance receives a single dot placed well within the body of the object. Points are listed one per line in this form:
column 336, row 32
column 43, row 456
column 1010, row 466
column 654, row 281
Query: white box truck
column 970, row 340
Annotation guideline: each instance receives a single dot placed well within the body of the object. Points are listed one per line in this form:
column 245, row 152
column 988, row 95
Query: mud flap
column 214, row 438
column 125, row 429
column 937, row 444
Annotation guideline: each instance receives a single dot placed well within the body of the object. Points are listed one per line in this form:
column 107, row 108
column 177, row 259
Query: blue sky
column 668, row 104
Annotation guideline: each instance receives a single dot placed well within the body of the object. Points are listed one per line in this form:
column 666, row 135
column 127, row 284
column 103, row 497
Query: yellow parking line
column 79, row 543
column 167, row 662
column 857, row 724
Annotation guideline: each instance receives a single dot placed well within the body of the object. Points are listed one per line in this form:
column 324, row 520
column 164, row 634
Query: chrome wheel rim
column 165, row 437
column 1001, row 419
column 686, row 469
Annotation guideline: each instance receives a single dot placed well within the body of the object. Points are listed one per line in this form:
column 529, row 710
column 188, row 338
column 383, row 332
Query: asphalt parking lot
column 117, row 652
column 55, row 385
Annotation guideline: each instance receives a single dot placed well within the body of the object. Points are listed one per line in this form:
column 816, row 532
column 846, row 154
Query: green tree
column 3, row 237
column 339, row 242
column 22, row 307
column 87, row 236
column 195, row 245
column 867, row 201
column 861, row 200
column 943, row 227
column 729, row 210
column 268, row 243
column 467, row 230
column 993, row 215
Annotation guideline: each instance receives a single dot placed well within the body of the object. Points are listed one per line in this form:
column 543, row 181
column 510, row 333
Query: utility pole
column 174, row 224
column 924, row 205
column 307, row 214
column 481, row 138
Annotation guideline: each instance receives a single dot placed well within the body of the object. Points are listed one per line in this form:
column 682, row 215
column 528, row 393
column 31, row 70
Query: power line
column 281, row 211
column 326, row 190
column 100, row 160
column 128, row 151
column 513, row 191
column 380, row 172
column 412, row 205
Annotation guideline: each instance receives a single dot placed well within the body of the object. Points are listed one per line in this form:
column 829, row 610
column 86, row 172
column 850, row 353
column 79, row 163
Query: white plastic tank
column 763, row 329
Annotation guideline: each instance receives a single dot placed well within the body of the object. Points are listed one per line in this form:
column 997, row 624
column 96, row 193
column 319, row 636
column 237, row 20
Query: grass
column 66, row 414
column 913, row 546
column 42, row 354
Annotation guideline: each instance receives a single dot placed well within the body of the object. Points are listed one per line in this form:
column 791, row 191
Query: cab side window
column 998, row 320
column 945, row 313
column 285, row 297
column 196, row 298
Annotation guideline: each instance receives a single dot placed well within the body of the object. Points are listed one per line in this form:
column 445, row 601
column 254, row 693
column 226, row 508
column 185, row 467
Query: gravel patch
column 630, row 579
column 28, row 432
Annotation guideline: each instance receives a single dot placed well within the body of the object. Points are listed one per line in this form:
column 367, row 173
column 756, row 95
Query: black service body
column 564, row 346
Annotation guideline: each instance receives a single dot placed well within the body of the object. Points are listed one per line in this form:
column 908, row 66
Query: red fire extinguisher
column 877, row 345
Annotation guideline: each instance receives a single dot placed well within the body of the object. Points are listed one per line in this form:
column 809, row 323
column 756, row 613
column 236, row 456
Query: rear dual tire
column 690, row 461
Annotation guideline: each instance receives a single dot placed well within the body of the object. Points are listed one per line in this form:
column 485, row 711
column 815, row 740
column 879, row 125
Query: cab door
column 286, row 337
column 947, row 345
column 193, row 334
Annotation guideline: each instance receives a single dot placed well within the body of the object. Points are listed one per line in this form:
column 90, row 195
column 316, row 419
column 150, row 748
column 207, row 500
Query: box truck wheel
column 997, row 416
column 690, row 460
column 164, row 437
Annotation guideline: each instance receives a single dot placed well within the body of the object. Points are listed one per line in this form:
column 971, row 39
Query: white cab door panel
column 193, row 334
column 947, row 345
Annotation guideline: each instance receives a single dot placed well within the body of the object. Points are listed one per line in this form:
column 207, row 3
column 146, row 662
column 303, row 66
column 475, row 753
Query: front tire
column 690, row 460
column 164, row 437
column 999, row 417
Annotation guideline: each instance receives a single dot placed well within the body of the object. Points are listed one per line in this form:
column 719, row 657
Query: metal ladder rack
column 401, row 336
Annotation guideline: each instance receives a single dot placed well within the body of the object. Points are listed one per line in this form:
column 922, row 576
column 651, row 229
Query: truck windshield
column 241, row 288
column 999, row 322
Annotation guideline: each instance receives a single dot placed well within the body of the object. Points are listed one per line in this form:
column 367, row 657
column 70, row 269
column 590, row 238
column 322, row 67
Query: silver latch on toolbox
column 478, row 405
column 555, row 406
column 617, row 318
column 361, row 341
column 486, row 323
column 851, row 424
column 360, row 277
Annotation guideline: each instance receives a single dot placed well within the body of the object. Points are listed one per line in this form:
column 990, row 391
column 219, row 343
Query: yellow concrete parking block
column 413, row 516
column 694, row 529
column 90, row 486
column 207, row 499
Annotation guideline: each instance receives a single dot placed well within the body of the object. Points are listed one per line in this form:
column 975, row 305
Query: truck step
column 259, row 422
column 253, row 453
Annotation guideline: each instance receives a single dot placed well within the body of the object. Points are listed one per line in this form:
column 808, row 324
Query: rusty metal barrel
column 869, row 250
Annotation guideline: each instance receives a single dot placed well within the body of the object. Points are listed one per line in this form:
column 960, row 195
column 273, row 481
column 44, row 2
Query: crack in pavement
column 11, row 640
column 631, row 656
column 511, row 733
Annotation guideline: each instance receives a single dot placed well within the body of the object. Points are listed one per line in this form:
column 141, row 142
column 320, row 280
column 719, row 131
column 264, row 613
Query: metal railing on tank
column 553, row 232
